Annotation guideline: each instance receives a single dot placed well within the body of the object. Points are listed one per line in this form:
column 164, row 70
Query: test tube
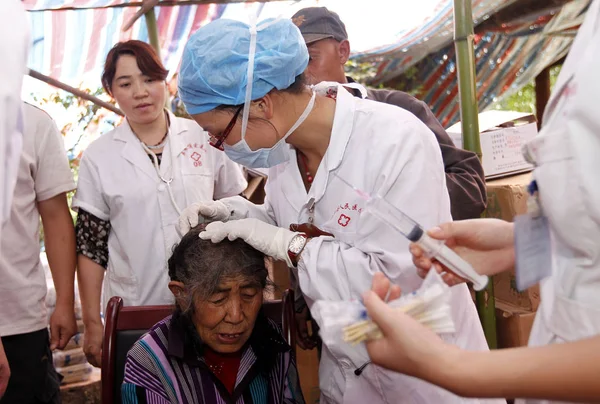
column 388, row 213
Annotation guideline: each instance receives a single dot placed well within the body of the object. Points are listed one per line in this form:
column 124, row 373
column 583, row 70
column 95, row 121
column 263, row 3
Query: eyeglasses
column 217, row 142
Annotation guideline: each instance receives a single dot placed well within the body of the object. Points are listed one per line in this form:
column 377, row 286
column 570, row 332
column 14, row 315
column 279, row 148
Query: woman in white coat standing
column 132, row 183
column 558, row 242
column 244, row 85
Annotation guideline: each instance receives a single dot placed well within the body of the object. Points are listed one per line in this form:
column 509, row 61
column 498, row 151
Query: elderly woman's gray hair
column 201, row 265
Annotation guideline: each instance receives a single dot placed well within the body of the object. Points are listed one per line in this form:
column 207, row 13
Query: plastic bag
column 76, row 373
column 348, row 321
column 75, row 342
column 68, row 358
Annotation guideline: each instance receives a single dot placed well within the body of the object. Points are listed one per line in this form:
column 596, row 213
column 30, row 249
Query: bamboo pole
column 152, row 27
column 465, row 60
column 144, row 9
column 542, row 94
column 152, row 30
column 75, row 91
column 161, row 3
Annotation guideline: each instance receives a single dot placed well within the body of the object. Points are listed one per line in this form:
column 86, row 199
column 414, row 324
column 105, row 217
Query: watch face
column 297, row 244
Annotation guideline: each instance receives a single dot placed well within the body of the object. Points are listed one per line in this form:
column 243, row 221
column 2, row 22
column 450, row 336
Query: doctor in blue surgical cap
column 244, row 84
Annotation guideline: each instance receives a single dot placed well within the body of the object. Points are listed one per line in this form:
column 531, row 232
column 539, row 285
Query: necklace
column 216, row 369
column 161, row 144
column 309, row 177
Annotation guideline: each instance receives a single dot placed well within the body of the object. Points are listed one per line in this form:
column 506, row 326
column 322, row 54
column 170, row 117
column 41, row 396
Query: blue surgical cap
column 214, row 67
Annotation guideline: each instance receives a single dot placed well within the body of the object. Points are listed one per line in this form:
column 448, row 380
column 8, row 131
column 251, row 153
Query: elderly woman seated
column 218, row 346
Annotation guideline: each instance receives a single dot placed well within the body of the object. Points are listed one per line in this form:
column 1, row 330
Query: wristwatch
column 296, row 246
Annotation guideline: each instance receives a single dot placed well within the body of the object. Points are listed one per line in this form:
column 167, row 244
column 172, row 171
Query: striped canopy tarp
column 507, row 56
column 70, row 45
column 72, row 37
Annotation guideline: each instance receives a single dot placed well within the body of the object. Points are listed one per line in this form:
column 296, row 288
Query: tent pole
column 542, row 93
column 150, row 17
column 465, row 61
column 152, row 30
column 75, row 91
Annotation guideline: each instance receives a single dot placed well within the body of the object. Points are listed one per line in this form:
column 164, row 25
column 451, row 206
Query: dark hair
column 145, row 56
column 297, row 87
column 201, row 265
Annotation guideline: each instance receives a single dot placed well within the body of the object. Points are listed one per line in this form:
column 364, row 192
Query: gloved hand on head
column 210, row 211
column 223, row 210
column 271, row 240
column 215, row 210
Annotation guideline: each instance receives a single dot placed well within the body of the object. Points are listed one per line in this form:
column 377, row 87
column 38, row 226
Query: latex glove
column 271, row 240
column 211, row 211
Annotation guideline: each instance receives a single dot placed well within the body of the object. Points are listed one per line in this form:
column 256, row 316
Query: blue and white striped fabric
column 72, row 37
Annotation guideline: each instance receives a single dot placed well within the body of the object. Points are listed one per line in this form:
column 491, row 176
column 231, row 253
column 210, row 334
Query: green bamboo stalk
column 465, row 61
column 150, row 17
column 152, row 30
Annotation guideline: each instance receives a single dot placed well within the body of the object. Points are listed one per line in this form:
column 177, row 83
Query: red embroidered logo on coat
column 196, row 149
column 196, row 157
column 347, row 206
column 344, row 220
column 190, row 146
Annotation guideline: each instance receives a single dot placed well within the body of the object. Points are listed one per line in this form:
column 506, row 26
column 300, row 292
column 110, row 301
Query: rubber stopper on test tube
column 415, row 234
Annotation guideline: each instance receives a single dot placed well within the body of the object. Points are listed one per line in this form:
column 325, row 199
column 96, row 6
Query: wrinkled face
column 226, row 319
column 325, row 63
column 141, row 98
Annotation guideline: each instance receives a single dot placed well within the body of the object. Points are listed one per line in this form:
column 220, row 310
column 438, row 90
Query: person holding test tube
column 557, row 242
column 244, row 85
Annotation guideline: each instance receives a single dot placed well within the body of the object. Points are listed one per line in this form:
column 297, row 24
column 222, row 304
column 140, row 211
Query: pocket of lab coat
column 562, row 194
column 123, row 286
column 198, row 187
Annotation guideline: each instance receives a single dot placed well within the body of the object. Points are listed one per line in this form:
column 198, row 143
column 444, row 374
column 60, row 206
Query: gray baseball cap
column 316, row 23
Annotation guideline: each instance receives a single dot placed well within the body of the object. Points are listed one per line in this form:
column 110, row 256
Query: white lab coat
column 567, row 152
column 118, row 182
column 14, row 47
column 380, row 149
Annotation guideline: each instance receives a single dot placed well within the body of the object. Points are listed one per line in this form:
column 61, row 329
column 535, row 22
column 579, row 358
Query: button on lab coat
column 407, row 170
column 118, row 182
column 567, row 152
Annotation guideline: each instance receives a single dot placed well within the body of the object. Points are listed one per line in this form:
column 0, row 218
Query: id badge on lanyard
column 532, row 243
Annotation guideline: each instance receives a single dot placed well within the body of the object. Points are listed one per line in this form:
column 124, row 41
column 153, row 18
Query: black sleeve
column 91, row 235
column 464, row 173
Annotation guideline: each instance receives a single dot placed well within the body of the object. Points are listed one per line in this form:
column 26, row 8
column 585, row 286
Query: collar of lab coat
column 136, row 155
column 343, row 124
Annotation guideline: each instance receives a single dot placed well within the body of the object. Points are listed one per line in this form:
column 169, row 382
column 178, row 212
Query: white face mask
column 240, row 152
column 279, row 153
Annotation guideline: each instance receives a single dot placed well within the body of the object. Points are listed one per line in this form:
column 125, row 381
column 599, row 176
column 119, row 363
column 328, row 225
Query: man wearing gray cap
column 329, row 49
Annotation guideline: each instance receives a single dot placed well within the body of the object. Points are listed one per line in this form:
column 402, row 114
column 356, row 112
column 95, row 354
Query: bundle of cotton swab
column 428, row 305
column 429, row 308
